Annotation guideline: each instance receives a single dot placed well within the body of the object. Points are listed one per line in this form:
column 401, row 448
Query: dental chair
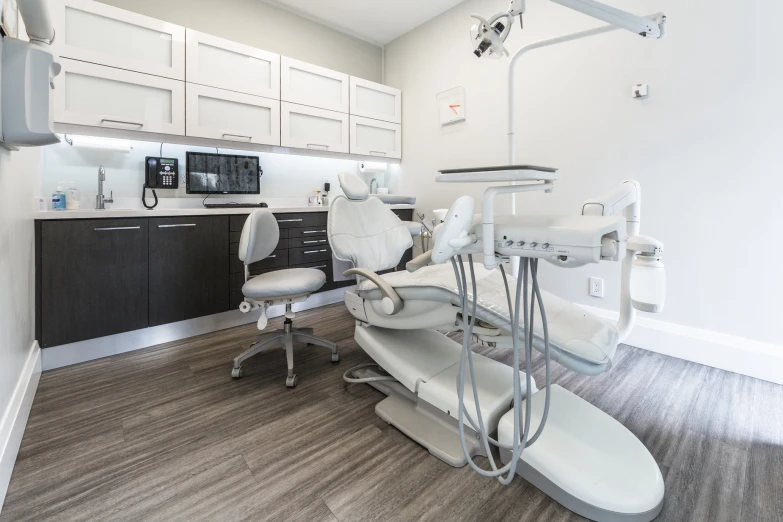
column 582, row 457
column 260, row 236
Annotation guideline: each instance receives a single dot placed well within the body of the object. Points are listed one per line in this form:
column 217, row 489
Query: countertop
column 110, row 213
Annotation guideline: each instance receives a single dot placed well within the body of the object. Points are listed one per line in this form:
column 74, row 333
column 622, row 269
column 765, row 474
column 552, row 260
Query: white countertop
column 111, row 213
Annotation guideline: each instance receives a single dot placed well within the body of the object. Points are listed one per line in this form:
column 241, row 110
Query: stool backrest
column 259, row 238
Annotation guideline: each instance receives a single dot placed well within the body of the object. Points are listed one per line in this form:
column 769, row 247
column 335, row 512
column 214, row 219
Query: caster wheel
column 291, row 381
column 237, row 373
column 335, row 357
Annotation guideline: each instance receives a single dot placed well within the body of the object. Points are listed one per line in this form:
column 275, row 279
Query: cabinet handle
column 316, row 241
column 319, row 266
column 178, row 225
column 311, row 145
column 377, row 153
column 270, row 257
column 106, row 229
column 289, row 220
column 315, row 251
column 104, row 120
column 313, row 231
column 248, row 138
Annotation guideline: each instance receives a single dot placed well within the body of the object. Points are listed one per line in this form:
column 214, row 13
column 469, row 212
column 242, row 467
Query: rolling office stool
column 260, row 236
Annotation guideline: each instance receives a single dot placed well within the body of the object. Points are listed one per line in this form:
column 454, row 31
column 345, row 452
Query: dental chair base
column 587, row 461
column 423, row 403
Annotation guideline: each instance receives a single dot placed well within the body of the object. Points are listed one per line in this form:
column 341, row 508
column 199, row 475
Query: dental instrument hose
column 518, row 446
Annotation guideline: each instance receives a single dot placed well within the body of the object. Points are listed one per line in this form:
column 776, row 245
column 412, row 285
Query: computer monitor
column 208, row 173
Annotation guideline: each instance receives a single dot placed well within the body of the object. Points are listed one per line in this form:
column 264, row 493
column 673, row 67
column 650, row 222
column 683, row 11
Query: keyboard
column 235, row 205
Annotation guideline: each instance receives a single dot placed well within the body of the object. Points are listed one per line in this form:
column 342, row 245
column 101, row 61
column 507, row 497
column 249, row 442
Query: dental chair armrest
column 419, row 261
column 391, row 303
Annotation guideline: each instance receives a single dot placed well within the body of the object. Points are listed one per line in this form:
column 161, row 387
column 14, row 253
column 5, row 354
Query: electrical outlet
column 596, row 287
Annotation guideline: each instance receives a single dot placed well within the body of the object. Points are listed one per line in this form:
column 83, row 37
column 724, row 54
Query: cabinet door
column 375, row 138
column 98, row 33
column 221, row 63
column 189, row 267
column 310, row 128
column 93, row 278
column 308, row 84
column 373, row 100
column 226, row 115
column 99, row 96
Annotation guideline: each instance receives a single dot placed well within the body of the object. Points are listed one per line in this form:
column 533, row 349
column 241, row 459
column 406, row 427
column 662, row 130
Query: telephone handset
column 160, row 173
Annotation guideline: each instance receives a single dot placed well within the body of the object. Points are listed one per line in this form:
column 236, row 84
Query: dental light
column 488, row 36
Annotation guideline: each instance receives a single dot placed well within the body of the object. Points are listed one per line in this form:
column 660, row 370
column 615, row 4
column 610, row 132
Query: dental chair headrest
column 354, row 188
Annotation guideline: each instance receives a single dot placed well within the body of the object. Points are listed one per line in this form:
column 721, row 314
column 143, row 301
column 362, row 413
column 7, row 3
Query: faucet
column 100, row 199
column 374, row 191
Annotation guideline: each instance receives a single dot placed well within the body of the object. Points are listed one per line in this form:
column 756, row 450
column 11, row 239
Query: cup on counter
column 383, row 190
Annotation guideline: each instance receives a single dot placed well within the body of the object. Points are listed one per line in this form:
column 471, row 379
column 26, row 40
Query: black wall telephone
column 160, row 173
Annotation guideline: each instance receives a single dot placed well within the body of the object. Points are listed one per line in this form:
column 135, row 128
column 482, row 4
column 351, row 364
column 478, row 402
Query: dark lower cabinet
column 188, row 268
column 93, row 279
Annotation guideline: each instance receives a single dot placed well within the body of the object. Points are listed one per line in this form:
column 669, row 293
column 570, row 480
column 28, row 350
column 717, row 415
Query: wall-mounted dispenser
column 27, row 72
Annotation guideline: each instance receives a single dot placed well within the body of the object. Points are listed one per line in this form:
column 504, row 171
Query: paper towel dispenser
column 27, row 73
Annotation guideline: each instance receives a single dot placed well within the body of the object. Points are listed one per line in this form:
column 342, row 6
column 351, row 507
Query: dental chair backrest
column 363, row 230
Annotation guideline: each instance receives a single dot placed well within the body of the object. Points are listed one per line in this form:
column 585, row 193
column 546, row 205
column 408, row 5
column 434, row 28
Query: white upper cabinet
column 98, row 33
column 376, row 138
column 104, row 97
column 311, row 85
column 221, row 63
column 373, row 100
column 233, row 116
column 311, row 128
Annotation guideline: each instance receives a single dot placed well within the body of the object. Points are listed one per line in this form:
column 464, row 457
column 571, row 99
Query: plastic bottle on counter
column 73, row 198
column 58, row 199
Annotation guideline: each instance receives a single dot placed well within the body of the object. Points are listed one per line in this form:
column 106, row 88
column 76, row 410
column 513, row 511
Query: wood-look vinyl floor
column 166, row 434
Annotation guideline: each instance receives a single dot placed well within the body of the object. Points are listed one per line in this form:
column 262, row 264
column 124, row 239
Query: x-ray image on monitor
column 222, row 174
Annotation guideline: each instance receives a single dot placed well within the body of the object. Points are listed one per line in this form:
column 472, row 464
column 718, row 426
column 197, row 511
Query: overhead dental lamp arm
column 37, row 21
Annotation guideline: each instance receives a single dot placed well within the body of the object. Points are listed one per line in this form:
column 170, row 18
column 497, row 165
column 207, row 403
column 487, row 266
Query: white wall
column 18, row 180
column 267, row 27
column 285, row 176
column 706, row 145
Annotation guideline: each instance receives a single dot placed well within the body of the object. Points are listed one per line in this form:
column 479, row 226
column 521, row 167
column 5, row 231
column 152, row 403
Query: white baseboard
column 73, row 353
column 14, row 419
column 727, row 352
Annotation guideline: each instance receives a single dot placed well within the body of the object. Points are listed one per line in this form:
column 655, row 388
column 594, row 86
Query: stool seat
column 283, row 283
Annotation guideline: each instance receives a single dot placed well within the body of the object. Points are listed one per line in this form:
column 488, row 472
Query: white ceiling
column 376, row 21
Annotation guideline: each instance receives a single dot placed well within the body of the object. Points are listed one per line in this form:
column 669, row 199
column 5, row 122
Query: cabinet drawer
column 221, row 63
column 374, row 100
column 278, row 258
column 298, row 256
column 375, row 138
column 98, row 33
column 404, row 214
column 226, row 115
column 308, row 241
column 99, row 96
column 308, row 84
column 305, row 219
column 304, row 127
column 236, row 235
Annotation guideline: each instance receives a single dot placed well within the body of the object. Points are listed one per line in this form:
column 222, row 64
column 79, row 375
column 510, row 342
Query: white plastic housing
column 27, row 100
column 648, row 284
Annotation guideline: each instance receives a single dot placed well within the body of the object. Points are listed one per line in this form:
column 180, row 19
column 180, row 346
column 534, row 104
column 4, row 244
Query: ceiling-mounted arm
column 642, row 26
column 37, row 21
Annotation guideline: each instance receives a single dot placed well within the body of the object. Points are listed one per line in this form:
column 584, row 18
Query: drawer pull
column 319, row 266
column 178, row 225
column 315, row 251
column 122, row 122
column 289, row 220
column 315, row 241
column 270, row 257
column 248, row 138
column 106, row 229
column 377, row 153
column 313, row 231
column 311, row 145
